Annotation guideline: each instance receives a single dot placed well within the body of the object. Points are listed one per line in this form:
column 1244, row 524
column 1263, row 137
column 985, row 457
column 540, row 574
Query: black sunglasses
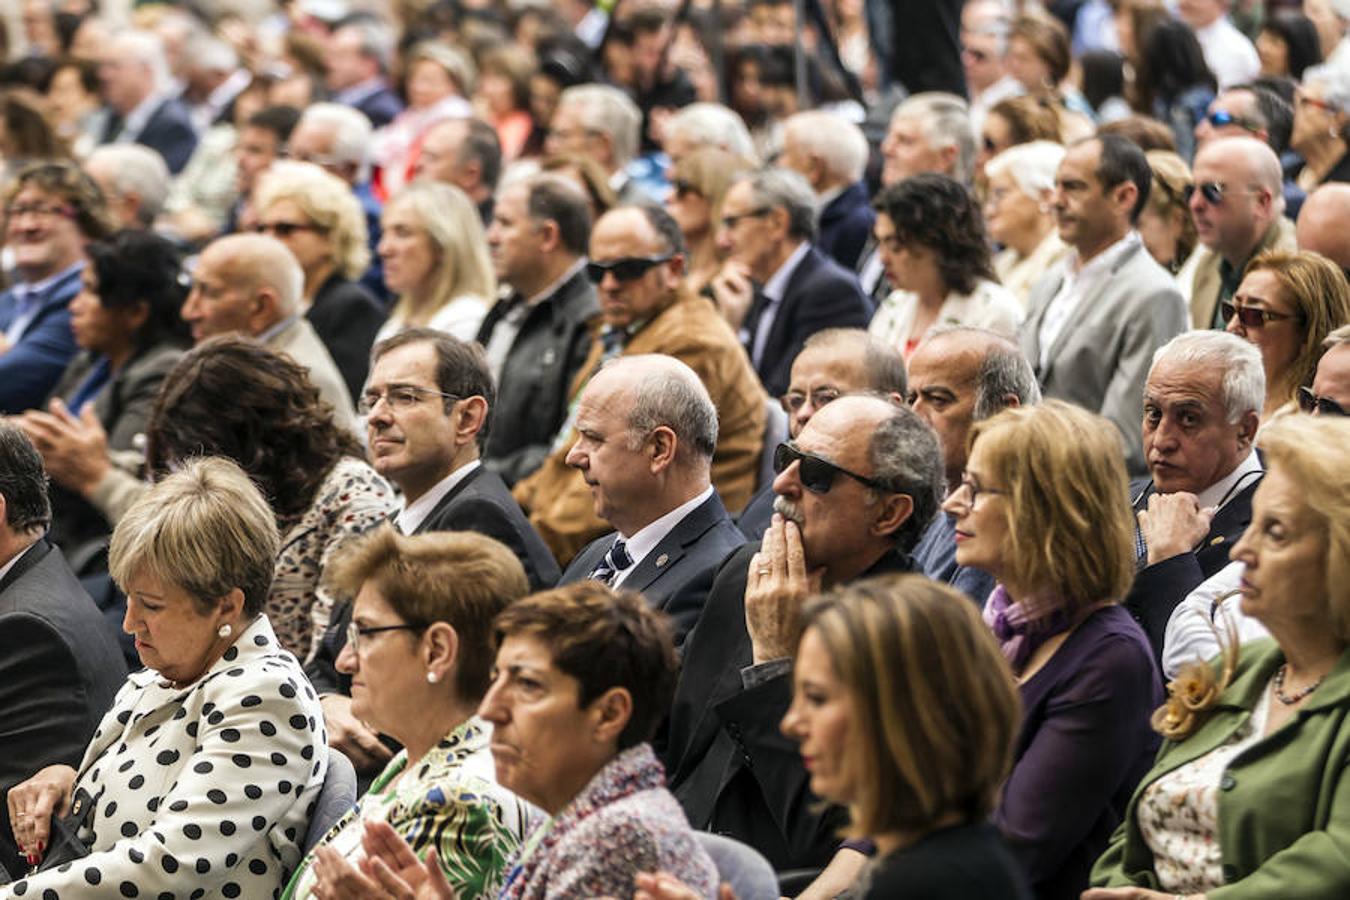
column 285, row 229
column 817, row 475
column 1310, row 402
column 628, row 269
column 1213, row 192
column 1250, row 316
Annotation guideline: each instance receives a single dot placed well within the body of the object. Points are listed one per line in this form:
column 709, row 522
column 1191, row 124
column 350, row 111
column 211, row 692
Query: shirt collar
column 22, row 292
column 134, row 122
column 1107, row 258
column 561, row 280
column 358, row 92
column 271, row 334
column 1223, row 490
column 776, row 286
column 651, row 534
column 411, row 517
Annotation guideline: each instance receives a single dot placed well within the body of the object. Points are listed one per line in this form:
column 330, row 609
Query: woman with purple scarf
column 1044, row 507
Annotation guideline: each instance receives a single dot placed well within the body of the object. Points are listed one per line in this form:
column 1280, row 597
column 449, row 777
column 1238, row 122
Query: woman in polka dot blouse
column 202, row 776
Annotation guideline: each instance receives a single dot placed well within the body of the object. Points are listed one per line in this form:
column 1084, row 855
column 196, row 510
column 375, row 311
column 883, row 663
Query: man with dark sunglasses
column 855, row 489
column 1330, row 391
column 1237, row 206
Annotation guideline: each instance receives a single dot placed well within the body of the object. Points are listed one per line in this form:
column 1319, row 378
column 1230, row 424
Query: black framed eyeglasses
column 398, row 397
column 1324, row 406
column 356, row 632
column 286, row 229
column 1214, row 192
column 1222, row 118
column 818, row 475
column 1250, row 316
column 629, row 268
column 971, row 487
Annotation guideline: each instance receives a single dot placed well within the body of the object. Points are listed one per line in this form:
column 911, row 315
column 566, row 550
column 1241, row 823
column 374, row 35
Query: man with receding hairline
column 1324, row 223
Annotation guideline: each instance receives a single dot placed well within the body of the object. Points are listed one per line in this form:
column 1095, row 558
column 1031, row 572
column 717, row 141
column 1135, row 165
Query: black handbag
column 64, row 843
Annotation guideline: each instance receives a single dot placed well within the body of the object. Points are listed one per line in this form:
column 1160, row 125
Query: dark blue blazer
column 820, row 294
column 845, row 226
column 381, row 106
column 170, row 133
column 677, row 574
column 30, row 369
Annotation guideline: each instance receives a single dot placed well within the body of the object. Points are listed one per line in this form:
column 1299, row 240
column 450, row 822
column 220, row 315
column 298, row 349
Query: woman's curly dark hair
column 941, row 214
column 231, row 396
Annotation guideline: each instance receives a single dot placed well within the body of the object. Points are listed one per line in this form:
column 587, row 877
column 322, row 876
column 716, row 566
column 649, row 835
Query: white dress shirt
column 645, row 541
column 1079, row 282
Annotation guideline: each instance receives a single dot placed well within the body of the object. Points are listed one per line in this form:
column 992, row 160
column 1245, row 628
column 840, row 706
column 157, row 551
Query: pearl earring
column 432, row 678
column 225, row 630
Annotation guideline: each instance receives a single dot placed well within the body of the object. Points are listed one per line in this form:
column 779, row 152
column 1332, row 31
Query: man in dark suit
column 59, row 663
column 856, row 489
column 52, row 210
column 1202, row 406
column 140, row 108
column 767, row 228
column 831, row 152
column 539, row 335
column 358, row 59
column 427, row 404
column 646, row 429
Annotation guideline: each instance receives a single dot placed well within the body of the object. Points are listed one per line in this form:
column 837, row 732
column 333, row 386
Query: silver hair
column 837, row 141
column 608, row 110
column 669, row 393
column 1336, row 338
column 1004, row 371
column 907, row 458
column 777, row 187
column 1244, row 377
column 136, row 169
column 377, row 41
column 1032, row 166
column 146, row 48
column 351, row 131
column 1335, row 77
column 210, row 54
column 714, row 125
column 945, row 120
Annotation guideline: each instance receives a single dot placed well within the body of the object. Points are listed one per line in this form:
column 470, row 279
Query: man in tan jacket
column 637, row 262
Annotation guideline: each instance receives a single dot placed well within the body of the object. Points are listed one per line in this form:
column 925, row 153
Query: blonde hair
column 1171, row 176
column 452, row 225
column 328, row 202
column 1070, row 529
column 205, row 528
column 935, row 707
column 1317, row 289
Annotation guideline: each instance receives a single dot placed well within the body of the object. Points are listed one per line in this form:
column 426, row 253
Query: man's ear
column 550, row 235
column 263, row 310
column 610, row 713
column 473, row 412
column 894, row 510
column 662, row 445
column 1247, row 427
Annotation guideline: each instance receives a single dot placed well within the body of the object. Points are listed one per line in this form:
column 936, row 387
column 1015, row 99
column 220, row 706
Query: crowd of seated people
column 639, row 449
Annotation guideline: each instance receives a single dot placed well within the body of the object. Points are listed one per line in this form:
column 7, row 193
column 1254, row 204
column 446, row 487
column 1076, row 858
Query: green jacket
column 1284, row 805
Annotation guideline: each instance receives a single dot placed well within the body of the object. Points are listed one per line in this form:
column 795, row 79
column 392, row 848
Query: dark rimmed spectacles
column 1323, row 406
column 817, row 474
column 286, row 229
column 1250, row 316
column 628, row 269
column 971, row 487
column 356, row 632
column 399, row 397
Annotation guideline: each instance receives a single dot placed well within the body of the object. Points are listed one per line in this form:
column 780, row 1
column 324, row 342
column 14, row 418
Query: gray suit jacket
column 1102, row 356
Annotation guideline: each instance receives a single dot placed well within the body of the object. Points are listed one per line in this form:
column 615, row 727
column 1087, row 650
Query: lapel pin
column 1216, row 541
column 662, row 560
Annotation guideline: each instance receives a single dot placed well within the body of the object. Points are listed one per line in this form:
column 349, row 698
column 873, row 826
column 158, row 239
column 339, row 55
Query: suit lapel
column 1087, row 305
column 671, row 549
column 27, row 560
column 438, row 510
column 1032, row 327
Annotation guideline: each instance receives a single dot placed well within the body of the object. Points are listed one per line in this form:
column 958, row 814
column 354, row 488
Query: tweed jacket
column 691, row 330
column 1284, row 803
column 623, row 822
column 205, row 788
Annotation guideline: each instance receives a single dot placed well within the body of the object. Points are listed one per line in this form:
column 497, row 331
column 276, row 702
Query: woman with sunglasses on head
column 1321, row 115
column 436, row 260
column 419, row 656
column 1247, row 798
column 1286, row 305
column 699, row 181
column 319, row 219
column 1044, row 508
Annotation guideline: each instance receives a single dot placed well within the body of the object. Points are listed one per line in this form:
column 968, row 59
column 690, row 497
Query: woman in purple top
column 1044, row 507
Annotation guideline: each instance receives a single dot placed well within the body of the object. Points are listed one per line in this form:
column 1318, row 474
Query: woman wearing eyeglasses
column 1044, row 508
column 1247, row 798
column 1321, row 114
column 699, row 181
column 419, row 655
column 321, row 222
column 436, row 260
column 1021, row 181
column 1286, row 305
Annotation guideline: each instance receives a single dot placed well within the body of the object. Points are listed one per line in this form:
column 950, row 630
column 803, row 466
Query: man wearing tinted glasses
column 855, row 489
column 1330, row 391
column 1237, row 206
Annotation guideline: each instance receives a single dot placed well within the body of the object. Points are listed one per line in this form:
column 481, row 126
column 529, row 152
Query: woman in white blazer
column 199, row 780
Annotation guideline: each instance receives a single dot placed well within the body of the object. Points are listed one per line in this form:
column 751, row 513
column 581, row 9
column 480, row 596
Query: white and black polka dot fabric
column 201, row 792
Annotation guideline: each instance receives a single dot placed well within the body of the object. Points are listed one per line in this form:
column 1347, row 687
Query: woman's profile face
column 1008, row 211
column 689, row 208
column 1025, row 65
column 1277, row 339
column 405, row 249
column 428, row 84
column 96, row 327
column 980, row 506
column 1160, row 232
column 384, row 665
column 1284, row 554
column 172, row 635
column 1274, row 54
column 820, row 719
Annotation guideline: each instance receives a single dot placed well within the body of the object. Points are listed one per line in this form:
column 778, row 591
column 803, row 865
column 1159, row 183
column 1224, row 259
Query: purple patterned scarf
column 1022, row 626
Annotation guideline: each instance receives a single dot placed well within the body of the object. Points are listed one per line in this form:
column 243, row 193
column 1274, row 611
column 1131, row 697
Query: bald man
column 251, row 284
column 1237, row 207
column 1323, row 223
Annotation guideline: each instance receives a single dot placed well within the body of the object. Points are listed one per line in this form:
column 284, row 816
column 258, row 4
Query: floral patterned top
column 1179, row 813
column 351, row 500
column 452, row 801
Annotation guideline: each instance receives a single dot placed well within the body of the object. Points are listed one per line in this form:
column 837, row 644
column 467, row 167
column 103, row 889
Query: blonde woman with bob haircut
column 436, row 260
column 219, row 737
column 1044, row 507
column 316, row 215
column 1286, row 305
column 1248, row 794
column 875, row 664
column 419, row 655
